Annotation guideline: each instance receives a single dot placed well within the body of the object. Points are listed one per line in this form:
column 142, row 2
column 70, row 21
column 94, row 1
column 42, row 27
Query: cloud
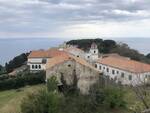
column 31, row 17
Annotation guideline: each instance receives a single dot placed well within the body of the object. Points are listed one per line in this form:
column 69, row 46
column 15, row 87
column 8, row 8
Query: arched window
column 39, row 66
column 32, row 66
column 36, row 66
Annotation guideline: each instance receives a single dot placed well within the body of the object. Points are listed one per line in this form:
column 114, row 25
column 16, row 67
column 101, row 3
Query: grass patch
column 10, row 100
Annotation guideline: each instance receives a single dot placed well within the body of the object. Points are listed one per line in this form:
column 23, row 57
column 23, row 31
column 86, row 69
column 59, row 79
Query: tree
column 148, row 56
column 142, row 92
column 1, row 67
column 16, row 62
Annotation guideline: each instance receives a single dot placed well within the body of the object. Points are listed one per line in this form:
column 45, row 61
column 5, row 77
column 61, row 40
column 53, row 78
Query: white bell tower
column 94, row 51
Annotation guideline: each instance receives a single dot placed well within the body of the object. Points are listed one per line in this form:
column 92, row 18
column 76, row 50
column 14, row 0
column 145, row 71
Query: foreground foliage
column 21, row 80
column 53, row 101
column 10, row 100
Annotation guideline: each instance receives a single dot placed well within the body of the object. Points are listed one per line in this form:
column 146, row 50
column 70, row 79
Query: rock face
column 85, row 73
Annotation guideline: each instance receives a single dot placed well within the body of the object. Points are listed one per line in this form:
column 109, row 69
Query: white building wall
column 36, row 64
column 35, row 60
column 136, row 79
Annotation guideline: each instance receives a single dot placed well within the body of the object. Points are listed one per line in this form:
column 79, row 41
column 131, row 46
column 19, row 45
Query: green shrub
column 114, row 97
column 110, row 96
column 42, row 101
column 20, row 81
column 52, row 84
column 3, row 77
column 35, row 103
column 52, row 101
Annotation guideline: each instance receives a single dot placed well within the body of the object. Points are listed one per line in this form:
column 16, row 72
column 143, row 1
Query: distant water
column 9, row 48
column 140, row 44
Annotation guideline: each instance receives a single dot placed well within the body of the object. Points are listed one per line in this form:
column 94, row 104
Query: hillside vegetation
column 110, row 46
column 10, row 100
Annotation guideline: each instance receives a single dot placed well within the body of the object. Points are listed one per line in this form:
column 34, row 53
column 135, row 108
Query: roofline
column 59, row 63
column 39, row 57
column 124, row 69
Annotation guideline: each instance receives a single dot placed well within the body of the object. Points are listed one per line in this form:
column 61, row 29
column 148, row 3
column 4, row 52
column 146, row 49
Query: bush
column 114, row 97
column 35, row 103
column 43, row 101
column 3, row 77
column 52, row 101
column 20, row 81
column 52, row 84
column 110, row 97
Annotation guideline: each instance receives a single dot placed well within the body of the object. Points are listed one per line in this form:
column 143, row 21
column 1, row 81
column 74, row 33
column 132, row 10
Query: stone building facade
column 68, row 66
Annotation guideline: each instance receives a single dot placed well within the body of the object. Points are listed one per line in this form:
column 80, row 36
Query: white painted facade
column 37, row 64
column 92, row 55
column 123, row 76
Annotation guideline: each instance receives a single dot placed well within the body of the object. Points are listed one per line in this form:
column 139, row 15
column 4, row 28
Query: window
column 32, row 66
column 95, row 65
column 113, row 72
column 69, row 65
column 103, row 67
column 88, row 56
column 122, row 75
column 117, row 72
column 130, row 77
column 39, row 66
column 36, row 66
column 94, row 51
column 146, row 76
column 44, row 60
column 77, row 55
column 100, row 67
column 107, row 69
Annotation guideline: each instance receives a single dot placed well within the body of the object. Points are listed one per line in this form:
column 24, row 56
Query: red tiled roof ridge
column 125, row 64
column 61, row 59
column 46, row 53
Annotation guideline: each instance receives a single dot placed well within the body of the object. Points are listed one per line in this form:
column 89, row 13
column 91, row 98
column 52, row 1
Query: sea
column 11, row 47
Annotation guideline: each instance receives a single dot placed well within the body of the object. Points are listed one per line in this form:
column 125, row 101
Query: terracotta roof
column 73, row 48
column 61, row 59
column 57, row 60
column 125, row 64
column 114, row 55
column 46, row 53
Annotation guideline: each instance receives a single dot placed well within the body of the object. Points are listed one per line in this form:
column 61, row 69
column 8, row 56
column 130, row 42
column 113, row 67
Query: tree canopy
column 103, row 45
column 16, row 62
column 110, row 46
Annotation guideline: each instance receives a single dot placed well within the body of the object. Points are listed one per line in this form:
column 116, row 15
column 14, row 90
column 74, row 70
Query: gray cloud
column 47, row 15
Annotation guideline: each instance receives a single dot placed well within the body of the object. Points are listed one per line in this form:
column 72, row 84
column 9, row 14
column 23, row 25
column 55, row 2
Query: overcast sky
column 74, row 18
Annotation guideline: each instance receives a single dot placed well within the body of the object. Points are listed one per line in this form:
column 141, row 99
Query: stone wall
column 85, row 75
